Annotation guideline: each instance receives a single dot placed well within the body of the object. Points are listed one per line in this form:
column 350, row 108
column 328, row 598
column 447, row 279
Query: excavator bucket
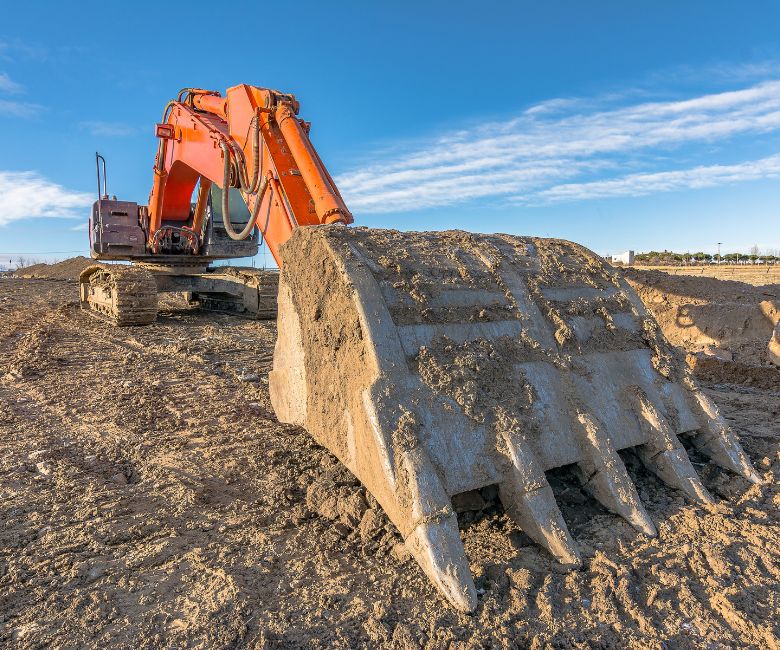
column 436, row 363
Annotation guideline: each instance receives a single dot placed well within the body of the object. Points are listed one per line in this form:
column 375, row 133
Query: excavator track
column 252, row 294
column 123, row 295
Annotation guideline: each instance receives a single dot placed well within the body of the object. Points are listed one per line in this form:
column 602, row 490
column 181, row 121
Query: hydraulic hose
column 231, row 231
column 247, row 187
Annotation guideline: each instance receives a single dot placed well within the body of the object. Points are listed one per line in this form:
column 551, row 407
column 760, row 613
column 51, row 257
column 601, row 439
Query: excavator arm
column 251, row 140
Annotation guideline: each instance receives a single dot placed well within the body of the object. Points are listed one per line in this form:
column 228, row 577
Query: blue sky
column 643, row 125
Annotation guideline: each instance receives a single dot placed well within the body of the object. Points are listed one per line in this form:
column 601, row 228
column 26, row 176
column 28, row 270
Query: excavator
column 431, row 364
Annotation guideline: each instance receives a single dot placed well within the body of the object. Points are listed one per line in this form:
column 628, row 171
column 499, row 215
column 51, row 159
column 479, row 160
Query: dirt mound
column 66, row 270
column 758, row 275
column 721, row 320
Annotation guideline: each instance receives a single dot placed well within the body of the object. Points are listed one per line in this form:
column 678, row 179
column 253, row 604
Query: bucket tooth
column 663, row 454
column 529, row 500
column 537, row 513
column 606, row 479
column 674, row 468
column 614, row 490
column 717, row 441
column 438, row 549
column 434, row 540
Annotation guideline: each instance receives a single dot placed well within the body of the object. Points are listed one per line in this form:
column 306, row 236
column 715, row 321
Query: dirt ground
column 150, row 499
column 65, row 270
column 725, row 325
column 755, row 274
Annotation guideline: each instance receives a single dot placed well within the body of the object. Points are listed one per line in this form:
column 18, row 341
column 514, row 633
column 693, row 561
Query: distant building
column 626, row 259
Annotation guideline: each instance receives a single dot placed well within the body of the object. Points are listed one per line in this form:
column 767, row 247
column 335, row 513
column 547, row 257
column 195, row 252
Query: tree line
column 670, row 258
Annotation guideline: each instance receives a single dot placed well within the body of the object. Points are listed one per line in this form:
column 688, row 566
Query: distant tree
column 670, row 258
column 754, row 251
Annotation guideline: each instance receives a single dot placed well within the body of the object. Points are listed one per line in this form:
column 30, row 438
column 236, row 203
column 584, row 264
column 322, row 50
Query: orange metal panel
column 300, row 190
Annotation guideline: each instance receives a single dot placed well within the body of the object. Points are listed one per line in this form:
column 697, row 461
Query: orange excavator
column 247, row 160
column 432, row 364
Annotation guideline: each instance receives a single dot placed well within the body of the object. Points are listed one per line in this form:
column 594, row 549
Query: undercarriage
column 128, row 294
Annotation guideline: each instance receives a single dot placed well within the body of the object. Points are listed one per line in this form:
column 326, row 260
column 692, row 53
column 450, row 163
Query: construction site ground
column 150, row 498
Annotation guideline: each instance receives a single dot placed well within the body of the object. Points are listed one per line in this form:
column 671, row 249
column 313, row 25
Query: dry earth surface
column 725, row 325
column 149, row 498
column 755, row 274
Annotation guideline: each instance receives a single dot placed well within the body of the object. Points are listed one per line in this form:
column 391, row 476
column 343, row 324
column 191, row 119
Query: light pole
column 719, row 243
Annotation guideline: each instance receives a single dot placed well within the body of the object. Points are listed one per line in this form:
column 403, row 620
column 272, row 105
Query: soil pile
column 66, row 270
column 727, row 326
column 758, row 275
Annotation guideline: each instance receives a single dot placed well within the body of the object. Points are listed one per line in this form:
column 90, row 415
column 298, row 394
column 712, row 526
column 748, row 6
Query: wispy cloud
column 27, row 195
column 13, row 107
column 567, row 143
column 19, row 109
column 14, row 49
column 718, row 72
column 651, row 183
column 8, row 85
column 108, row 129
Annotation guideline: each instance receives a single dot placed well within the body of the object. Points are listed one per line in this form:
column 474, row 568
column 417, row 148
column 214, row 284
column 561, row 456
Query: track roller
column 120, row 294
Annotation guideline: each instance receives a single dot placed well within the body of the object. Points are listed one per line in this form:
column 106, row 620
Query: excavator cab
column 216, row 241
column 114, row 226
column 118, row 230
column 178, row 261
column 115, row 230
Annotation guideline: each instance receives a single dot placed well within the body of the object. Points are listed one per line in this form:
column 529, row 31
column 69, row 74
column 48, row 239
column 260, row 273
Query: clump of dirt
column 66, row 270
column 715, row 321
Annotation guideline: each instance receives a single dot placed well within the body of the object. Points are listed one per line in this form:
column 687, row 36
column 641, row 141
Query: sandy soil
column 150, row 499
column 725, row 325
column 65, row 270
column 757, row 275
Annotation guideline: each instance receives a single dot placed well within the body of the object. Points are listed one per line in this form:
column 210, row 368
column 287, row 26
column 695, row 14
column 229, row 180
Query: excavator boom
column 251, row 140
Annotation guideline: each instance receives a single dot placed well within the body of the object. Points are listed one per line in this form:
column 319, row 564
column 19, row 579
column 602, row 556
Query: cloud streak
column 13, row 107
column 108, row 129
column 567, row 143
column 19, row 109
column 8, row 85
column 651, row 183
column 27, row 195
